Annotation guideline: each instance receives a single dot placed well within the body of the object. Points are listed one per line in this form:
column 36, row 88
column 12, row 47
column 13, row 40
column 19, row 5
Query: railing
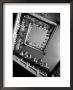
column 31, row 66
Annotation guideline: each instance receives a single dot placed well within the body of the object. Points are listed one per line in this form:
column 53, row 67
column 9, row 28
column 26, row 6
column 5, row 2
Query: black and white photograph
column 37, row 41
column 36, row 44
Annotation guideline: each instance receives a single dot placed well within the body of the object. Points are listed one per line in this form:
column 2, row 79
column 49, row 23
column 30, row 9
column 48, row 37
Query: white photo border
column 64, row 79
